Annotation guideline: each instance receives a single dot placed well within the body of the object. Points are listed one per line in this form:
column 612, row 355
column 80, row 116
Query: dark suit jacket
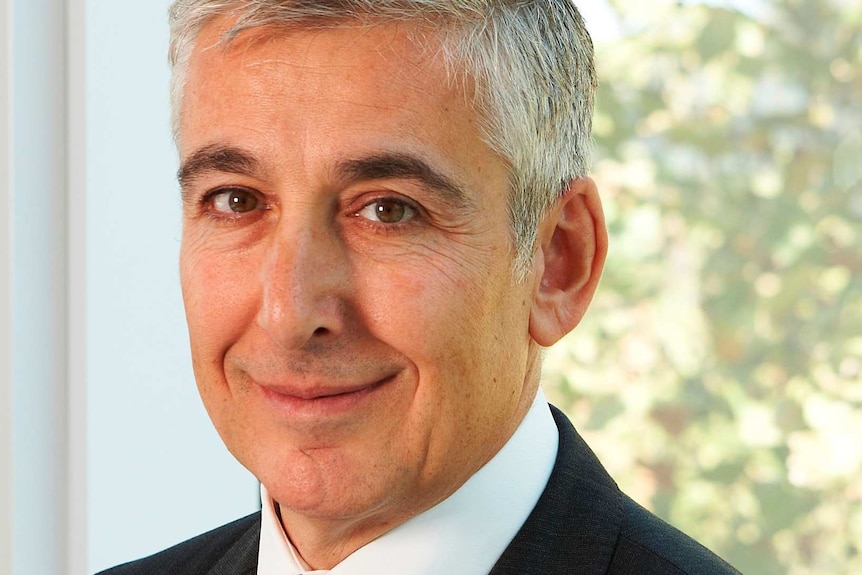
column 582, row 525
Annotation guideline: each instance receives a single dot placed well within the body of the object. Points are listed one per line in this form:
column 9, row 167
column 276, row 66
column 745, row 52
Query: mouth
column 321, row 401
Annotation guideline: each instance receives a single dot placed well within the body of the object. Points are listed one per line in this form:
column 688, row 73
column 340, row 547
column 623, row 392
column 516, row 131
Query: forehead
column 352, row 89
column 403, row 54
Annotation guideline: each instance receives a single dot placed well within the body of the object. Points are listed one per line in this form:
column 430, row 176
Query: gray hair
column 531, row 62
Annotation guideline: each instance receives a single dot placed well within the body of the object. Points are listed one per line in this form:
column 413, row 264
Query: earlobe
column 572, row 245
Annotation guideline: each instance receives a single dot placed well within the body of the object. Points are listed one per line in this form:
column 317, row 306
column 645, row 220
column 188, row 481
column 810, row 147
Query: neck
column 324, row 543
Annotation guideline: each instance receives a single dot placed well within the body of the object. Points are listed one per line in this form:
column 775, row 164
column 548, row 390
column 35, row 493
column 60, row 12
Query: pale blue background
column 157, row 471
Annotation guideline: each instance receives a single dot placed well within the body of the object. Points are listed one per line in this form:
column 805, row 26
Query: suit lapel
column 241, row 557
column 575, row 524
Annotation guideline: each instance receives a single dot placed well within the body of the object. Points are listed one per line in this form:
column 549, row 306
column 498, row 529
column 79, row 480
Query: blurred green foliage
column 718, row 374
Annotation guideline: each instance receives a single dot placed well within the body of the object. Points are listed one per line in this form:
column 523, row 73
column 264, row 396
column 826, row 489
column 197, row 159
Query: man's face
column 356, row 334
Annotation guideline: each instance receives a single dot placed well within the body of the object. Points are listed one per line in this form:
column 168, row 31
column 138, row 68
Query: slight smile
column 315, row 402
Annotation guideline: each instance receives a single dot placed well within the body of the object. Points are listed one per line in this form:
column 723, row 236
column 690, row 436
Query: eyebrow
column 233, row 160
column 402, row 166
column 217, row 158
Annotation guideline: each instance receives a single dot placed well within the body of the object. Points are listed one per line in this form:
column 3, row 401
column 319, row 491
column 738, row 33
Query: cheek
column 219, row 292
column 442, row 317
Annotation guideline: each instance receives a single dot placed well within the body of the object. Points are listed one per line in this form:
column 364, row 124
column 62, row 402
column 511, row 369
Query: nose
column 304, row 279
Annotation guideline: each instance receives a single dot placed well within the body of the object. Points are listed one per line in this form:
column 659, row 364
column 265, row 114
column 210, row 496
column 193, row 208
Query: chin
column 322, row 484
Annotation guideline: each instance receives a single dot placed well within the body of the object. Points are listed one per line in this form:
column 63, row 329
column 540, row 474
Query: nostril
column 321, row 331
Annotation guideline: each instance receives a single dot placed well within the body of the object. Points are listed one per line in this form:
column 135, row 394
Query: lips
column 311, row 392
column 321, row 400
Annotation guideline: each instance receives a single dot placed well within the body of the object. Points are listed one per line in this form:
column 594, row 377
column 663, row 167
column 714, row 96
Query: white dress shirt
column 464, row 534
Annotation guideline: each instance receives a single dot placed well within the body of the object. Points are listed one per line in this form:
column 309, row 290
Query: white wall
column 5, row 297
column 157, row 471
column 105, row 451
column 39, row 392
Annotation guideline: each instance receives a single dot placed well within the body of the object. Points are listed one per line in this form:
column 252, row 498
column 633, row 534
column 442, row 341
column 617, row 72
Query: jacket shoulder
column 231, row 548
column 649, row 546
column 584, row 524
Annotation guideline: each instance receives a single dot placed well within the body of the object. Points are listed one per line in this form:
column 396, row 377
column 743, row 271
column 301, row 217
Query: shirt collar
column 465, row 533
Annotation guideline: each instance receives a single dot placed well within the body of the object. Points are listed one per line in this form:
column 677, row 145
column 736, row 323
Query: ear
column 572, row 245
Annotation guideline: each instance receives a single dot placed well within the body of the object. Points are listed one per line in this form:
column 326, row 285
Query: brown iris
column 241, row 201
column 389, row 212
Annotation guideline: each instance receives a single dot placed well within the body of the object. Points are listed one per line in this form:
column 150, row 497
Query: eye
column 388, row 211
column 233, row 201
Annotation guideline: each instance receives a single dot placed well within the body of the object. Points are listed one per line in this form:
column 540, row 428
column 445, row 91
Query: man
column 386, row 217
